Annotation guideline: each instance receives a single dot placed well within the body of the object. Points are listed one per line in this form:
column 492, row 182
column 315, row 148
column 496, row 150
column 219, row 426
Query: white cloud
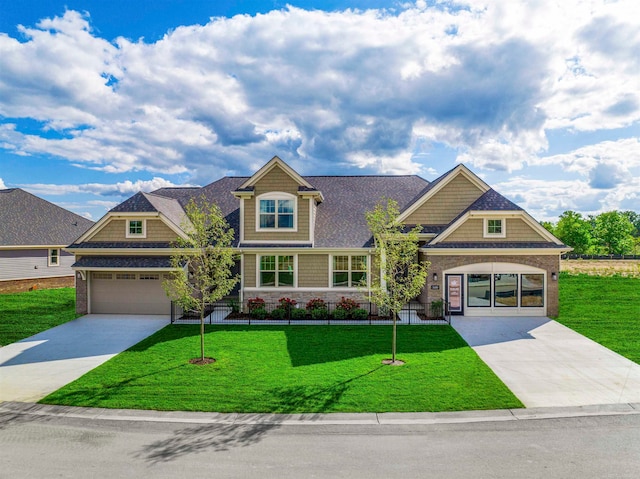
column 2, row 185
column 124, row 188
column 487, row 79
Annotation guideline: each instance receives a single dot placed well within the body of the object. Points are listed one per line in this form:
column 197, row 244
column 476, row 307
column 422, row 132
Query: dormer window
column 276, row 212
column 136, row 229
column 494, row 228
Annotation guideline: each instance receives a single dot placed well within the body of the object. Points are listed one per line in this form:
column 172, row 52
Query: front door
column 455, row 293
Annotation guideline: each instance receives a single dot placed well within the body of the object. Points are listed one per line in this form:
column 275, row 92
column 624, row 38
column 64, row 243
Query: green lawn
column 294, row 369
column 603, row 308
column 25, row 314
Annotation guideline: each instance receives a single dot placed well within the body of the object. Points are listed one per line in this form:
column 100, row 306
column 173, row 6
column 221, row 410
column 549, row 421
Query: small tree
column 402, row 274
column 613, row 230
column 203, row 261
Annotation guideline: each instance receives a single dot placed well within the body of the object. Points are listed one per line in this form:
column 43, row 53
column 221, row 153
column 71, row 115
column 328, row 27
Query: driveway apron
column 35, row 367
column 546, row 364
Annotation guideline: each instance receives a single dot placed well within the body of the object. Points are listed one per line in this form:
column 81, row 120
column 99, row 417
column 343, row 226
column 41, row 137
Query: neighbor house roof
column 28, row 220
column 123, row 262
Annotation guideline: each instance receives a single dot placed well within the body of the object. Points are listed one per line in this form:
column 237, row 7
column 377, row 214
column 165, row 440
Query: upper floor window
column 54, row 257
column 276, row 212
column 136, row 229
column 494, row 228
column 349, row 271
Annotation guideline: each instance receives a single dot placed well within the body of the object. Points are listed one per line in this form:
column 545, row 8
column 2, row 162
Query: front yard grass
column 605, row 309
column 25, row 314
column 293, row 369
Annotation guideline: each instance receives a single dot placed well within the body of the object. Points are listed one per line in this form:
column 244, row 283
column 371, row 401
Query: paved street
column 606, row 446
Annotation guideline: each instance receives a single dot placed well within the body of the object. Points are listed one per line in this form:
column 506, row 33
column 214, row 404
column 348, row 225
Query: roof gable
column 275, row 162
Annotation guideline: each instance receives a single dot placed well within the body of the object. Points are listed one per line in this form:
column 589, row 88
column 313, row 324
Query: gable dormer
column 445, row 198
column 277, row 205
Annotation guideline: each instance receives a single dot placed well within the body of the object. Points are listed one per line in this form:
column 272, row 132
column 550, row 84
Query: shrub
column 316, row 303
column 255, row 303
column 359, row 314
column 298, row 313
column 340, row 314
column 287, row 303
column 347, row 304
column 279, row 314
column 436, row 309
column 319, row 314
column 259, row 313
column 233, row 305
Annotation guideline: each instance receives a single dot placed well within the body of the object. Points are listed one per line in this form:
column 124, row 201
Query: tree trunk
column 202, row 334
column 393, row 344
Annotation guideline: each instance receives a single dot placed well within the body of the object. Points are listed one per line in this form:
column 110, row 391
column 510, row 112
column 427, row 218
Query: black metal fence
column 601, row 256
column 230, row 312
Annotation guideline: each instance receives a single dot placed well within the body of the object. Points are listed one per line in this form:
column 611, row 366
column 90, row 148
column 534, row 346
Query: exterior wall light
column 554, row 276
column 435, row 276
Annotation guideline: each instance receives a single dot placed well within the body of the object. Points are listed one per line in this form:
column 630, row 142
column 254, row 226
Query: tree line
column 613, row 232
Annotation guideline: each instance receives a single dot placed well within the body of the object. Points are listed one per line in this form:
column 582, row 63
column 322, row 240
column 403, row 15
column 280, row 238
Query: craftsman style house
column 33, row 233
column 306, row 237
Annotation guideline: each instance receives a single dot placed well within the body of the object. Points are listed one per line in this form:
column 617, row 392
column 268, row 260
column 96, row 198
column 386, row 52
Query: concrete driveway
column 546, row 364
column 34, row 367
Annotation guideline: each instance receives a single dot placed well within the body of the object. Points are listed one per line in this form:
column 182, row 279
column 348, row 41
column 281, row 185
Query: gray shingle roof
column 26, row 220
column 121, row 244
column 491, row 200
column 124, row 262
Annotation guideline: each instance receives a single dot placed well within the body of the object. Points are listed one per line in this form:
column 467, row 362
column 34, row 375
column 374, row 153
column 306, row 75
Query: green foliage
column 298, row 314
column 293, row 369
column 347, row 304
column 575, row 231
column 280, row 314
column 359, row 314
column 613, row 231
column 25, row 314
column 319, row 314
column 340, row 314
column 316, row 303
column 233, row 305
column 202, row 261
column 402, row 274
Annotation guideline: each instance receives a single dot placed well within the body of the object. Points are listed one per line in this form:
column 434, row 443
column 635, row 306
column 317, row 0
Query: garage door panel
column 128, row 296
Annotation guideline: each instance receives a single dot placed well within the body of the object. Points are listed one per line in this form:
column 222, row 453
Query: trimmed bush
column 298, row 314
column 259, row 313
column 279, row 314
column 359, row 314
column 319, row 314
column 340, row 314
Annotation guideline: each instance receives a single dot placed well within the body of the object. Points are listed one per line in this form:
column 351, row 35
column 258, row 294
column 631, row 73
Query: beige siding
column 249, row 273
column 313, row 270
column 517, row 230
column 447, row 203
column 277, row 180
column 115, row 230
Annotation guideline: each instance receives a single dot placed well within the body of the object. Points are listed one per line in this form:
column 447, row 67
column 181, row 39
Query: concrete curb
column 377, row 419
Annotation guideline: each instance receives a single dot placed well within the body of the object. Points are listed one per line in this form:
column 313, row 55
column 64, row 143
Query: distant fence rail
column 231, row 312
column 602, row 256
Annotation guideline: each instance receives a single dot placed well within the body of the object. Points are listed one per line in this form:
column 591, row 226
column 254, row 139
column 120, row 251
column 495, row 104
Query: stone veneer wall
column 549, row 263
column 20, row 285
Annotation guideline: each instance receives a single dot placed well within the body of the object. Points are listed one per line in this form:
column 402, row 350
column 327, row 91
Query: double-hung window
column 277, row 213
column 54, row 257
column 349, row 271
column 277, row 271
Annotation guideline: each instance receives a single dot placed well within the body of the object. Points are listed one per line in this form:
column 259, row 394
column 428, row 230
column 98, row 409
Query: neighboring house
column 32, row 235
column 306, row 236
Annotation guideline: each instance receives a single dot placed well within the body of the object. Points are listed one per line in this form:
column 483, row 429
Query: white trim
column 494, row 251
column 241, row 237
column 503, row 228
column 112, row 216
column 32, row 246
column 277, row 196
column 349, row 271
column 277, row 288
column 458, row 170
column 130, row 235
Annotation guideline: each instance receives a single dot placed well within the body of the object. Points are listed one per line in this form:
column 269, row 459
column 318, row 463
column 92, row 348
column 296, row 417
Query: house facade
column 306, row 237
column 33, row 233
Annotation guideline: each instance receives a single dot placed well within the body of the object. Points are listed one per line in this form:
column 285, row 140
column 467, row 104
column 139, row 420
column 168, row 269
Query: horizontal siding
column 249, row 264
column 115, row 230
column 313, row 270
column 31, row 264
column 517, row 230
column 446, row 204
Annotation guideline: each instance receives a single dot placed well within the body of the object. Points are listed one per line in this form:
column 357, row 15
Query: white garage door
column 128, row 293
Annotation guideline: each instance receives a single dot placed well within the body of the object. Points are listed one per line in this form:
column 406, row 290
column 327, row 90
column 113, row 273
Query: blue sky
column 99, row 100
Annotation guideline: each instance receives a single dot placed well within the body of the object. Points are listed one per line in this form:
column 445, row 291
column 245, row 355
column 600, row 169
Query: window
column 102, row 276
column 479, row 290
column 532, row 290
column 276, row 271
column 135, row 229
column 276, row 213
column 494, row 228
column 349, row 271
column 506, row 290
column 150, row 276
column 54, row 257
column 125, row 276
